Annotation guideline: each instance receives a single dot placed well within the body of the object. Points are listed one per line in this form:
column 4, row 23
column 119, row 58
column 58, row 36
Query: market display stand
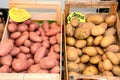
column 56, row 16
column 112, row 5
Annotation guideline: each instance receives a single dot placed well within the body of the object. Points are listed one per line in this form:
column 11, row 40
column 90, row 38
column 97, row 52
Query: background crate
column 112, row 6
column 37, row 14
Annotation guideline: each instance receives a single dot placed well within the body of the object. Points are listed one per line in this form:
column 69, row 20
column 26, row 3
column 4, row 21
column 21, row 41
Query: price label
column 19, row 14
column 80, row 16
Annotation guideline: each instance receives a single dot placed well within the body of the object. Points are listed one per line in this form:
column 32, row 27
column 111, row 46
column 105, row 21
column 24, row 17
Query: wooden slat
column 41, row 16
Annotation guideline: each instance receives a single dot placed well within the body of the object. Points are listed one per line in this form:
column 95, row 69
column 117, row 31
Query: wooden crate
column 55, row 16
column 112, row 5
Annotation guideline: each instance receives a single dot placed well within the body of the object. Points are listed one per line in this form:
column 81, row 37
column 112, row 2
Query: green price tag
column 78, row 15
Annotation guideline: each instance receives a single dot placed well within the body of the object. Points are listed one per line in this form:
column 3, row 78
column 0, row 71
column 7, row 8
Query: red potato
column 58, row 38
column 10, row 20
column 31, row 61
column 15, row 51
column 34, row 37
column 27, row 43
column 53, row 25
column 34, row 68
column 53, row 31
column 43, row 71
column 6, row 60
column 29, row 21
column 12, row 27
column 6, row 46
column 57, row 48
column 32, row 27
column 24, row 49
column 54, row 55
column 22, row 27
column 37, row 32
column 56, row 70
column 29, row 56
column 46, row 44
column 20, row 41
column 52, row 49
column 44, row 38
column 15, row 35
column 53, row 40
column 47, row 63
column 35, row 47
column 36, row 25
column 40, row 53
column 45, row 26
column 23, row 71
column 42, row 32
column 57, row 63
column 21, row 56
column 4, row 69
column 20, row 65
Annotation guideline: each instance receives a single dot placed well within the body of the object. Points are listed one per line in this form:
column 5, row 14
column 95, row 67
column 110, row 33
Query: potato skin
column 55, row 70
column 22, row 56
column 110, row 31
column 22, row 27
column 72, row 54
column 107, row 65
column 81, row 67
column 15, row 51
column 95, row 59
column 47, row 63
column 80, row 43
column 90, row 70
column 12, row 27
column 113, row 58
column 84, row 58
column 100, row 66
column 15, row 35
column 91, row 51
column 34, row 47
column 19, row 41
column 99, row 50
column 96, row 19
column 4, row 69
column 40, row 53
column 24, row 49
column 34, row 68
column 97, row 40
column 70, row 41
column 107, row 73
column 6, row 46
column 69, row 30
column 27, row 43
column 73, row 67
column 90, row 41
column 73, row 74
column 113, row 48
column 107, row 40
column 6, row 60
column 110, row 20
column 116, row 70
column 34, row 37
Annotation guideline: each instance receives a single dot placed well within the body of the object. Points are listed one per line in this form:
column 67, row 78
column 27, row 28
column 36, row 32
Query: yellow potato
column 79, row 52
column 80, row 43
column 100, row 50
column 107, row 40
column 91, row 51
column 107, row 73
column 90, row 41
column 96, row 19
column 88, row 25
column 116, row 70
column 81, row 67
column 110, row 31
column 97, row 40
column 72, row 53
column 107, row 65
column 110, row 20
column 73, row 67
column 70, row 41
column 113, row 58
column 99, row 29
column 104, row 57
column 118, row 56
column 74, row 22
column 113, row 48
column 73, row 74
column 90, row 70
column 100, row 66
column 69, row 30
column 84, row 58
column 77, row 60
column 95, row 59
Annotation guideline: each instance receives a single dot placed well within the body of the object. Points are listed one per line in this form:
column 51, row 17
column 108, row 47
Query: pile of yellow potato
column 92, row 46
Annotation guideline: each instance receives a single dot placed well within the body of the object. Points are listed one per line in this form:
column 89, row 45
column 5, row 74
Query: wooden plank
column 43, row 16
